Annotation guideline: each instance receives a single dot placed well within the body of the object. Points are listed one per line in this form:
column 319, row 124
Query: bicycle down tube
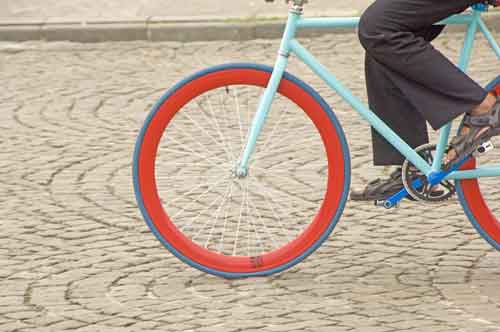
column 290, row 45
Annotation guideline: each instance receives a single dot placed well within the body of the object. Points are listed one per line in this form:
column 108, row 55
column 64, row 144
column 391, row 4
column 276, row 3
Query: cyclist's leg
column 391, row 105
column 434, row 85
column 396, row 111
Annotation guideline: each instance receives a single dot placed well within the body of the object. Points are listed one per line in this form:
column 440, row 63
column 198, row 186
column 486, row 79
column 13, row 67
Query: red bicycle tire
column 239, row 266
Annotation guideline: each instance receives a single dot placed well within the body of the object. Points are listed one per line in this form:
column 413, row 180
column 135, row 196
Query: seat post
column 297, row 6
column 480, row 7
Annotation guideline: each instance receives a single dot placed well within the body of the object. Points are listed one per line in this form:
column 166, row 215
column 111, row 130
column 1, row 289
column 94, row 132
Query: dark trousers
column 409, row 82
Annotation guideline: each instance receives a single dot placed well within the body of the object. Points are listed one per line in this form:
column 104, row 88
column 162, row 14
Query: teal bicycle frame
column 290, row 45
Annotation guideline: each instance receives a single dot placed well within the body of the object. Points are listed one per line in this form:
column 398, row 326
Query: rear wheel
column 268, row 221
column 480, row 198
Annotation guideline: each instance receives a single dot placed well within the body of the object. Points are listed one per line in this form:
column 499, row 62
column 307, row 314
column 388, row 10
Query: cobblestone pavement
column 76, row 254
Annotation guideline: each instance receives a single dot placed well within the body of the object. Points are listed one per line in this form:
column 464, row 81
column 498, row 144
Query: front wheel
column 184, row 172
column 480, row 198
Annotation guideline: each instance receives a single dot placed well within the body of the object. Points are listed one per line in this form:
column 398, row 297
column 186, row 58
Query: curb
column 172, row 29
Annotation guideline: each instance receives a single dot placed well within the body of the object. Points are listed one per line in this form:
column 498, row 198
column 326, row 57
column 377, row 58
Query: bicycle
column 237, row 200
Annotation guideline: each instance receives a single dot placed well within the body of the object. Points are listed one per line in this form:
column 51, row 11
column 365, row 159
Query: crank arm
column 434, row 179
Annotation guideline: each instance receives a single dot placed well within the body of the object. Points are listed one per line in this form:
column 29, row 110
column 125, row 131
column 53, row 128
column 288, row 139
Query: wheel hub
column 239, row 172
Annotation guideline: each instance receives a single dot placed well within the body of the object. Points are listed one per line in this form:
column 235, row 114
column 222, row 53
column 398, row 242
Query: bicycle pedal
column 384, row 204
column 483, row 149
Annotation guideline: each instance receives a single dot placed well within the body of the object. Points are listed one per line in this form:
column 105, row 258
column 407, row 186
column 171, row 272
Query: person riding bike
column 410, row 83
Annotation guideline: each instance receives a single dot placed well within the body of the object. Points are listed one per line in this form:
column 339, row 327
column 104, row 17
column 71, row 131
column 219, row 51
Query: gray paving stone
column 76, row 254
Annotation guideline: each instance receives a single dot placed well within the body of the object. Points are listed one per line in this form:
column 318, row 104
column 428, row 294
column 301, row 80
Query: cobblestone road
column 76, row 254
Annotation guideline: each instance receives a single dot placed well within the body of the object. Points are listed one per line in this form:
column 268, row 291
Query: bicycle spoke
column 188, row 173
column 249, row 220
column 264, row 190
column 203, row 148
column 229, row 193
column 221, row 135
column 199, row 214
column 281, row 163
column 180, row 163
column 276, row 125
column 251, row 226
column 271, row 236
column 200, row 196
column 273, row 171
column 261, row 154
column 291, row 178
column 249, row 121
column 189, row 192
column 290, row 132
column 190, row 176
column 202, row 129
column 223, row 108
column 249, row 128
column 289, row 198
column 221, row 242
column 215, row 124
column 237, row 102
column 208, row 159
column 238, row 228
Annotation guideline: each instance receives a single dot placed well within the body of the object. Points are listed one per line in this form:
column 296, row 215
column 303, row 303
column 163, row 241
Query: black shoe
column 380, row 189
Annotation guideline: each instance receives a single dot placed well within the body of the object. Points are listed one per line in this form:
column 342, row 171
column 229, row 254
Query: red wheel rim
column 233, row 264
column 474, row 199
column 497, row 90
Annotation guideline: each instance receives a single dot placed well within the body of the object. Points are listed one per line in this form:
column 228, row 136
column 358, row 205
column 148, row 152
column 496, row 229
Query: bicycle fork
column 260, row 117
column 267, row 98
